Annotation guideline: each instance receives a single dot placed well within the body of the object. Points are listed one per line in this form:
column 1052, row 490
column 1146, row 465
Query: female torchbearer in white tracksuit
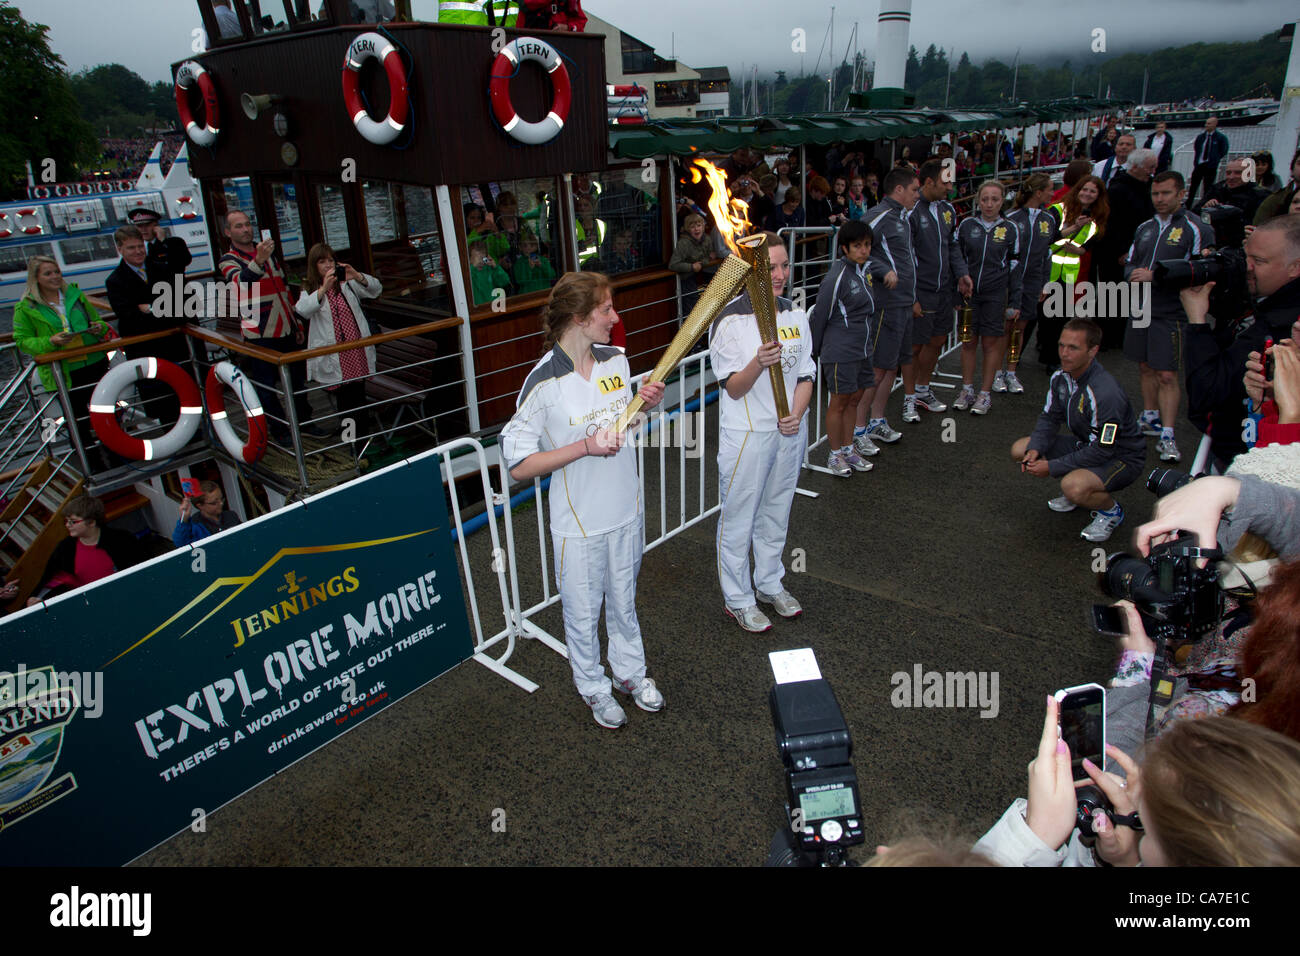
column 758, row 455
column 565, row 408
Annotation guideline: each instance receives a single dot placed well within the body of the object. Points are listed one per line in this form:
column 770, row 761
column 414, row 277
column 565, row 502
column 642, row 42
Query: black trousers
column 1202, row 174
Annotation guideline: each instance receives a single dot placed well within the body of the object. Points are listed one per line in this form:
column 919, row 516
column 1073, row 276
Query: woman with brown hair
column 89, row 553
column 562, row 427
column 331, row 302
column 1081, row 216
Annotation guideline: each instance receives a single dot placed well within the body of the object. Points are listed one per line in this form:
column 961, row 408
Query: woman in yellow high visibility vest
column 505, row 13
column 1082, row 213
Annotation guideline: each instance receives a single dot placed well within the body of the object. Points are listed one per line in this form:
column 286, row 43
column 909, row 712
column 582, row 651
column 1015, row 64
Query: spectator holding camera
column 1216, row 393
column 1277, row 399
column 1215, row 792
column 1103, row 450
column 1233, row 190
column 203, row 515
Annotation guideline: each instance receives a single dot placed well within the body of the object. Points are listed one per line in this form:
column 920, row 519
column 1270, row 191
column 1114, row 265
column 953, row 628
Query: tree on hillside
column 117, row 101
column 41, row 117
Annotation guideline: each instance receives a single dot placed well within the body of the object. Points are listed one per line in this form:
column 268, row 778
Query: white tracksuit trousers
column 757, row 473
column 590, row 570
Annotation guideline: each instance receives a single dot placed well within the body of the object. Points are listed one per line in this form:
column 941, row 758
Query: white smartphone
column 1082, row 725
column 266, row 234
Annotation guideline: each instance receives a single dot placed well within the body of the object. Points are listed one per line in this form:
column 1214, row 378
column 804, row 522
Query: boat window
column 267, row 16
column 617, row 221
column 372, row 11
column 237, row 194
column 90, row 249
column 293, row 251
column 512, row 236
column 14, row 258
column 405, row 243
column 334, row 217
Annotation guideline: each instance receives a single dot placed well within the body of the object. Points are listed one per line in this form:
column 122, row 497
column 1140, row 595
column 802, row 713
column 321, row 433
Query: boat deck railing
column 405, row 397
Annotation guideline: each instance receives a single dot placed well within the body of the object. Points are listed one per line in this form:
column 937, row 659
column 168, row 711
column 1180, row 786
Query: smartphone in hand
column 1082, row 715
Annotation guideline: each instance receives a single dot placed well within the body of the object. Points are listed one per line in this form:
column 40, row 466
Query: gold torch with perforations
column 753, row 249
column 729, row 214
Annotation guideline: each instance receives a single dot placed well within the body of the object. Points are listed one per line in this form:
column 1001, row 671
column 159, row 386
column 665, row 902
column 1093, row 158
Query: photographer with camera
column 1104, row 450
column 1155, row 339
column 1216, row 393
column 1234, row 190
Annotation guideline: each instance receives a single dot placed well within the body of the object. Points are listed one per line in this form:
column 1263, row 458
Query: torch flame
column 730, row 215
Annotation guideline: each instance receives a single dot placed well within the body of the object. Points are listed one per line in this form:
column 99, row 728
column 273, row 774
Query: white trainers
column 864, row 446
column 966, row 399
column 838, row 466
column 910, row 414
column 1168, row 451
column 606, row 711
column 644, row 692
column 784, row 603
column 1013, row 383
column 999, row 382
column 856, row 461
column 930, row 402
column 982, row 404
column 750, row 618
column 881, row 431
column 1102, row 526
column 1062, row 504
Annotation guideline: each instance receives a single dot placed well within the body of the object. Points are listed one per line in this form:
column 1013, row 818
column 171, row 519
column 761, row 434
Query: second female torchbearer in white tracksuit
column 758, row 454
column 566, row 407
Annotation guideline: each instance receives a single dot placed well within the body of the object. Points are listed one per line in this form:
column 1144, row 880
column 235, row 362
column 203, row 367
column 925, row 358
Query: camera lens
column 1162, row 481
column 1124, row 573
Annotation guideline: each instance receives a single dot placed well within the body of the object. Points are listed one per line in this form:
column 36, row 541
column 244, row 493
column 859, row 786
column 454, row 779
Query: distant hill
column 1220, row 70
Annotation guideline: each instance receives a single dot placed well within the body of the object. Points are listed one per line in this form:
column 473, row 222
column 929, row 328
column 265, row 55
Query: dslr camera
column 1179, row 602
column 1226, row 268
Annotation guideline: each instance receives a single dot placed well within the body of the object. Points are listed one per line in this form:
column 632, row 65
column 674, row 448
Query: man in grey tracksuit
column 1155, row 337
column 941, row 275
column 893, row 263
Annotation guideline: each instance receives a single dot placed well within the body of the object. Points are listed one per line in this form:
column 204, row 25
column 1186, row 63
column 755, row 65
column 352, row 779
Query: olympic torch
column 753, row 249
column 729, row 215
column 726, row 282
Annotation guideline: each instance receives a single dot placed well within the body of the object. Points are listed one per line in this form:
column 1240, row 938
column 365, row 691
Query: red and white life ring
column 40, row 192
column 186, row 210
column 84, row 189
column 62, row 189
column 5, row 231
column 189, row 74
column 363, row 48
column 103, row 186
column 504, row 67
column 124, row 185
column 225, row 374
column 103, row 408
column 32, row 226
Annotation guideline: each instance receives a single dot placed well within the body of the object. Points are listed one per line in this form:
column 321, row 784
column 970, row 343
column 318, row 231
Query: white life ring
column 5, row 231
column 363, row 48
column 186, row 210
column 189, row 74
column 504, row 67
column 62, row 189
column 84, row 189
column 225, row 374
column 40, row 192
column 103, row 408
column 33, row 225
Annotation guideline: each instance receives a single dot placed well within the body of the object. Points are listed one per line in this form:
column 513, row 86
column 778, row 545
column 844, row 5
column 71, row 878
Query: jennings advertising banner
column 130, row 708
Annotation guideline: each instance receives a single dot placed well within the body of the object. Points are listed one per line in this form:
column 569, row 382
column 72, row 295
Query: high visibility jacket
column 474, row 12
column 1065, row 264
column 589, row 246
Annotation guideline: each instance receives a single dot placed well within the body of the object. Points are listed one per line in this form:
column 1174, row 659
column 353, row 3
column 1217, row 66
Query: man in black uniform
column 169, row 255
column 139, row 310
column 1104, row 449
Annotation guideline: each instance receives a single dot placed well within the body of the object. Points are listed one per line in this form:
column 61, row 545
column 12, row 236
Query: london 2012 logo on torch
column 35, row 708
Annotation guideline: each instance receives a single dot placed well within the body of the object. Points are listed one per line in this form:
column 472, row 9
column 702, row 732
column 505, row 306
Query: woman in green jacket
column 51, row 316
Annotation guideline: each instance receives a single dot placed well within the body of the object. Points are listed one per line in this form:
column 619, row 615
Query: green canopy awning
column 725, row 134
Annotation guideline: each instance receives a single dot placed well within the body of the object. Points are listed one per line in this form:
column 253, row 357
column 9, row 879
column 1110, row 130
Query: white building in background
column 674, row 89
column 715, row 92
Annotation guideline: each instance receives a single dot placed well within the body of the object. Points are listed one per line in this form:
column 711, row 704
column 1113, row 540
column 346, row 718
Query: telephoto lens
column 1161, row 481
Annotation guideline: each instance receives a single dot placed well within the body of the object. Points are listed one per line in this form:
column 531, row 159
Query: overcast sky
column 736, row 32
